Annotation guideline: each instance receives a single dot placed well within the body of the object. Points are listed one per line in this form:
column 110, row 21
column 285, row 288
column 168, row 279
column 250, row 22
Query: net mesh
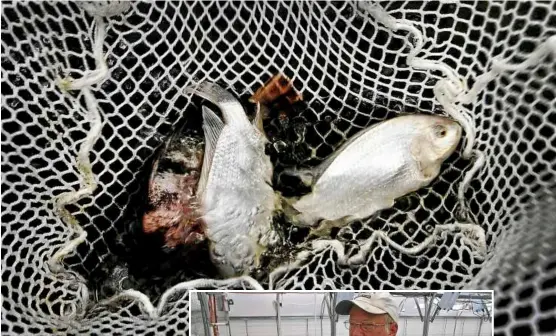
column 356, row 64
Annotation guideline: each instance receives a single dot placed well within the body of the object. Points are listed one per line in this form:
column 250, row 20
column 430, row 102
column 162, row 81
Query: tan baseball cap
column 371, row 302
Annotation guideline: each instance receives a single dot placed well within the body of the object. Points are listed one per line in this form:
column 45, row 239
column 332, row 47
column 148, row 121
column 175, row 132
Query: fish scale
column 237, row 196
column 380, row 164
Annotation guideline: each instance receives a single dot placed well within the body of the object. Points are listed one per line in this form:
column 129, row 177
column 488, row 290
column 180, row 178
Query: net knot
column 380, row 15
column 106, row 8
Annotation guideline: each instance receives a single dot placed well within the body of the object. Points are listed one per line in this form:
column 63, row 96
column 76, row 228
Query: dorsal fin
column 231, row 108
column 258, row 121
column 212, row 127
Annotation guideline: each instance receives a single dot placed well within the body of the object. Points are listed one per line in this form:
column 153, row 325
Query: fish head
column 442, row 137
column 434, row 141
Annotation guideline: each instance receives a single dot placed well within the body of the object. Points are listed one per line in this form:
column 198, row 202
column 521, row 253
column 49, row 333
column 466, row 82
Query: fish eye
column 440, row 131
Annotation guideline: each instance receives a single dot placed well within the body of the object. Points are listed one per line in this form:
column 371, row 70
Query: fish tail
column 231, row 108
column 287, row 207
column 294, row 216
column 307, row 176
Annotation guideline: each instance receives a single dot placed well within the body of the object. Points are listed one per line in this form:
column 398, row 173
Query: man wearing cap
column 370, row 314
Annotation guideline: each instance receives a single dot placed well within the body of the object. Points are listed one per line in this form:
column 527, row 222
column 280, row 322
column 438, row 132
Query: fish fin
column 231, row 108
column 259, row 250
column 292, row 215
column 306, row 175
column 212, row 127
column 258, row 121
column 324, row 228
column 286, row 206
column 428, row 171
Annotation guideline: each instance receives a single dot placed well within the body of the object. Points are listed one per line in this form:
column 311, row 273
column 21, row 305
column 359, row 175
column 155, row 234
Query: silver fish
column 235, row 187
column 372, row 169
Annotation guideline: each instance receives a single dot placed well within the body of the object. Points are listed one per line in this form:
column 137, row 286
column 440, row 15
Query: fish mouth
column 458, row 138
column 459, row 132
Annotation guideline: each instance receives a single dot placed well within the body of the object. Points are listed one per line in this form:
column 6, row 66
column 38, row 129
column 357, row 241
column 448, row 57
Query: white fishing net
column 486, row 222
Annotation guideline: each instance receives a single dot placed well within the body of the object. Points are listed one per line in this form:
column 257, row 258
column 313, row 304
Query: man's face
column 365, row 324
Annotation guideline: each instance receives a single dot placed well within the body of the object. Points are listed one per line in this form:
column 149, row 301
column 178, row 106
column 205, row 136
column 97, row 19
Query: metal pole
column 328, row 302
column 469, row 296
column 229, row 327
column 462, row 326
column 307, row 327
column 278, row 316
column 480, row 327
column 332, row 314
column 455, row 325
column 418, row 308
column 227, row 313
column 321, row 321
column 445, row 323
column 213, row 314
column 315, row 313
column 204, row 313
column 436, row 311
column 246, row 328
column 427, row 318
column 324, row 305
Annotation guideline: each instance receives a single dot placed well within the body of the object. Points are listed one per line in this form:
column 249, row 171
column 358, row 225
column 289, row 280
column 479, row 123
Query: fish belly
column 359, row 183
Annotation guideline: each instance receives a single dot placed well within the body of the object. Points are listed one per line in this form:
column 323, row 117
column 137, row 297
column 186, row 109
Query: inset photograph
column 368, row 313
